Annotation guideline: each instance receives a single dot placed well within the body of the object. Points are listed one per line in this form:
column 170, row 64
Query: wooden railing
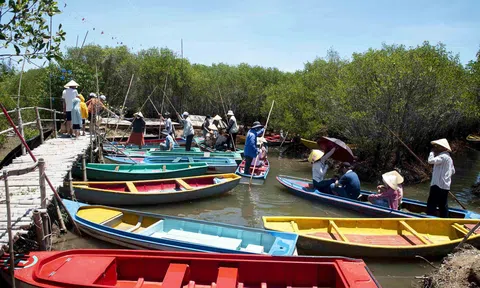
column 38, row 122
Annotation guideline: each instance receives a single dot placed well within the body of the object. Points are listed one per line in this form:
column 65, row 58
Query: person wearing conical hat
column 443, row 171
column 318, row 159
column 389, row 194
column 232, row 130
column 68, row 95
column 138, row 127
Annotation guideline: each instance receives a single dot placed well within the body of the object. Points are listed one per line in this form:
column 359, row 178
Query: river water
column 241, row 207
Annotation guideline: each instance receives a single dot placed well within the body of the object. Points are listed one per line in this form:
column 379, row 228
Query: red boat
column 149, row 269
column 276, row 140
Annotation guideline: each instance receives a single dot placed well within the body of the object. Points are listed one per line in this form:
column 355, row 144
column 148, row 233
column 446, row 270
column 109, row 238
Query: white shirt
column 319, row 168
column 442, row 170
column 168, row 125
column 187, row 127
column 68, row 95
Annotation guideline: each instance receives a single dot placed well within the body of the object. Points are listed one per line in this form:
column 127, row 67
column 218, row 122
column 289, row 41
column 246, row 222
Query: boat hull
column 297, row 187
column 229, row 155
column 94, row 173
column 309, row 144
column 114, row 198
column 259, row 173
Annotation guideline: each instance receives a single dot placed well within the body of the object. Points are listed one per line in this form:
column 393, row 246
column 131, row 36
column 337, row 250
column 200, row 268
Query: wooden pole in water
column 161, row 108
column 255, row 164
column 421, row 161
column 123, row 105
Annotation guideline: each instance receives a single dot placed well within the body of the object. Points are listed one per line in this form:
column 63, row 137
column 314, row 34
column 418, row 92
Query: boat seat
column 407, row 227
column 139, row 223
column 175, row 274
column 157, row 226
column 184, row 184
column 198, row 238
column 460, row 229
column 131, row 187
column 139, row 283
column 227, row 277
column 99, row 215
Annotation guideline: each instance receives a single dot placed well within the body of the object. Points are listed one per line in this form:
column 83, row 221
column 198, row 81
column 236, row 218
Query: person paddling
column 251, row 149
column 443, row 171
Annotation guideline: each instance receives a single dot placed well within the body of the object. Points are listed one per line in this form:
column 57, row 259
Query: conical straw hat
column 71, row 83
column 138, row 114
column 392, row 179
column 315, row 155
column 217, row 117
column 442, row 142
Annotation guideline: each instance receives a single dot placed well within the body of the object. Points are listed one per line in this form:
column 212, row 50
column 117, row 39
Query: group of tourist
column 390, row 193
column 77, row 111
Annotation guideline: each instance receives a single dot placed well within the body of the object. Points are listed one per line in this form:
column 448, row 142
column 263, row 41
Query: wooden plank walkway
column 59, row 155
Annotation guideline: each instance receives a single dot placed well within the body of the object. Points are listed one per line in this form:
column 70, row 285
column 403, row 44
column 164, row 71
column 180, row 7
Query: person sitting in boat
column 168, row 144
column 318, row 159
column 262, row 155
column 391, row 193
column 221, row 143
column 138, row 127
column 210, row 140
column 251, row 151
column 348, row 185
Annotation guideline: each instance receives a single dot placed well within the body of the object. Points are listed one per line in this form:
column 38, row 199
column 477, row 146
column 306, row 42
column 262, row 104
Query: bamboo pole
column 43, row 189
column 255, row 164
column 161, row 108
column 9, row 229
column 123, row 105
column 421, row 161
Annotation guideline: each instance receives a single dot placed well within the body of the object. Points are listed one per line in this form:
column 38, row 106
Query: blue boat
column 215, row 165
column 140, row 230
column 410, row 208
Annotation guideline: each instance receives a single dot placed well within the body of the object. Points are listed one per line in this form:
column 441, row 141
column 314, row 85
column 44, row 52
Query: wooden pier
column 59, row 155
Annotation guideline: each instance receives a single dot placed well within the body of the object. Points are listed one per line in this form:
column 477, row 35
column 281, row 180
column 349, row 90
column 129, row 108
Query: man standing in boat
column 188, row 131
column 251, row 151
column 443, row 171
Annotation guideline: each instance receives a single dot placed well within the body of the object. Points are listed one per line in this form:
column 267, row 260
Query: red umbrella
column 343, row 153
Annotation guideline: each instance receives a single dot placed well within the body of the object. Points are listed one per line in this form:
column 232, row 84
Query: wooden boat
column 276, row 140
column 381, row 237
column 260, row 173
column 473, row 138
column 151, row 192
column 215, row 165
column 205, row 148
column 140, row 153
column 130, row 268
column 148, row 140
column 131, row 172
column 309, row 144
column 141, row 230
column 121, row 151
column 410, row 208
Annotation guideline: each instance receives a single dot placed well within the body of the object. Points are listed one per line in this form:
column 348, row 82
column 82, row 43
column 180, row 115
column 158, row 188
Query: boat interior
column 160, row 186
column 163, row 271
column 144, row 168
column 215, row 161
column 384, row 232
column 260, row 168
column 172, row 229
column 406, row 205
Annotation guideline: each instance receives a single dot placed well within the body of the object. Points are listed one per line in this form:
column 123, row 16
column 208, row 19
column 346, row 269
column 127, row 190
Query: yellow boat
column 473, row 138
column 376, row 237
column 309, row 143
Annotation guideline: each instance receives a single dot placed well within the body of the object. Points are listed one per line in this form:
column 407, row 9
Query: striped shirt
column 442, row 170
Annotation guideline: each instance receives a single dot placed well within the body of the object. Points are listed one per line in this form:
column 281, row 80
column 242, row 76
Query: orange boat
column 150, row 269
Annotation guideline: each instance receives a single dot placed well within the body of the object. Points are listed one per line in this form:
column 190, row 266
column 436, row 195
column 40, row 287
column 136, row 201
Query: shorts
column 76, row 126
column 69, row 115
column 83, row 122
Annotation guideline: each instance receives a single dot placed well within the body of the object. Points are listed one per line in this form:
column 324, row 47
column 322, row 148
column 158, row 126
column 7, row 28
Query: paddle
column 421, row 161
column 261, row 145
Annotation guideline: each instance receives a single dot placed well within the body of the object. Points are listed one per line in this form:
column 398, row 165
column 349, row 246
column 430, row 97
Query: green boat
column 142, row 153
column 130, row 172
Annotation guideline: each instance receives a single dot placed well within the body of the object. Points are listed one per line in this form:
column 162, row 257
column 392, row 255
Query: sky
column 271, row 33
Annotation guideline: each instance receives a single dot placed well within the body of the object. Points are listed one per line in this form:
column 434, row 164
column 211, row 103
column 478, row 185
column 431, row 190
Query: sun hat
column 230, row 113
column 392, row 179
column 217, row 117
column 256, row 124
column 71, row 84
column 138, row 114
column 442, row 142
column 93, row 95
column 185, row 114
column 165, row 132
column 103, row 97
column 261, row 140
column 315, row 155
column 213, row 127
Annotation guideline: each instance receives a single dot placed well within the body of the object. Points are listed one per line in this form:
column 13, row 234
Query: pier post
column 46, row 229
column 100, row 150
column 55, row 123
column 84, row 168
column 70, row 185
column 43, row 189
column 20, row 129
column 9, row 229
column 37, row 220
column 63, row 229
column 39, row 125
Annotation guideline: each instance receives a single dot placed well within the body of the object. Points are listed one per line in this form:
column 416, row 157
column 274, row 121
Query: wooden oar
column 263, row 135
column 421, row 161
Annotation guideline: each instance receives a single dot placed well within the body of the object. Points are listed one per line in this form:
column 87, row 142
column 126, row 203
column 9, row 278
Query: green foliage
column 24, row 26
